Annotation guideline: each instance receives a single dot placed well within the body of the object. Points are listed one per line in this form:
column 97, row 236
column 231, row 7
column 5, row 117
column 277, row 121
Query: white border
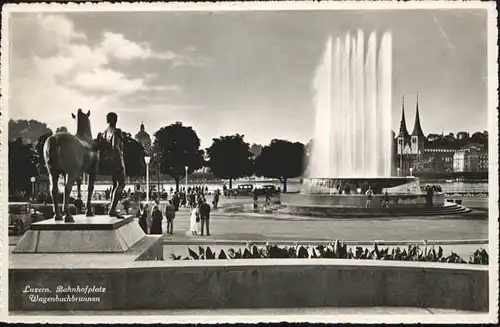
column 492, row 32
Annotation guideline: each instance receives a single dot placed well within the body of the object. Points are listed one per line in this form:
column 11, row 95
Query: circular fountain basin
column 358, row 186
column 346, row 197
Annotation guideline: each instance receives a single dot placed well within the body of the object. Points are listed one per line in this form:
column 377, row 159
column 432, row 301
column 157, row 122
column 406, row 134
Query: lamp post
column 411, row 171
column 33, row 180
column 398, row 171
column 186, row 169
column 147, row 159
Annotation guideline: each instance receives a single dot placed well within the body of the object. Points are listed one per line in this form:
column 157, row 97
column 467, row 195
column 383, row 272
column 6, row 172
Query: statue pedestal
column 60, row 257
column 98, row 234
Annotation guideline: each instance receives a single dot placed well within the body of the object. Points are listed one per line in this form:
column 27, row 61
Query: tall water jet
column 352, row 136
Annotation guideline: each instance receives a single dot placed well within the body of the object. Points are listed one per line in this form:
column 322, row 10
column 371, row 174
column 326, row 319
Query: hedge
column 335, row 250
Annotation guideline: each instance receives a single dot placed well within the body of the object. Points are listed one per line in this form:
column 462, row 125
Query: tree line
column 175, row 147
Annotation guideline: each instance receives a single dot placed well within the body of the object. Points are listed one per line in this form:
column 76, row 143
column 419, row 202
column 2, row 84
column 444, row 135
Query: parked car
column 36, row 215
column 242, row 190
column 271, row 189
column 20, row 218
column 262, row 191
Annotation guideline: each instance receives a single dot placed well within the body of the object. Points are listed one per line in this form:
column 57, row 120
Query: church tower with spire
column 403, row 137
column 417, row 136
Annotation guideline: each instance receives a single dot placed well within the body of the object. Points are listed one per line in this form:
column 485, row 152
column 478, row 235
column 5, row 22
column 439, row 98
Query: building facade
column 436, row 154
column 471, row 158
column 410, row 148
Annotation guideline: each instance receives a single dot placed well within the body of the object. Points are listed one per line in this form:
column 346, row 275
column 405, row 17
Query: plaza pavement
column 229, row 229
column 249, row 226
column 235, row 227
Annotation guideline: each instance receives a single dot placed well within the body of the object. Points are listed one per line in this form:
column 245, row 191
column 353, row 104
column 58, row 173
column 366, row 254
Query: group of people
column 154, row 226
column 384, row 202
column 199, row 218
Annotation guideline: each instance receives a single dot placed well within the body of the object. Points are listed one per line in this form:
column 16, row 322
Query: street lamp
column 411, row 170
column 398, row 171
column 33, row 180
column 186, row 168
column 147, row 159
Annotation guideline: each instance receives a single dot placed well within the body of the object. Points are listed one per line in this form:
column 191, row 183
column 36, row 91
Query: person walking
column 216, row 198
column 192, row 199
column 142, row 214
column 157, row 217
column 205, row 217
column 369, row 196
column 385, row 203
column 176, row 201
column 194, row 221
column 170, row 215
column 255, row 202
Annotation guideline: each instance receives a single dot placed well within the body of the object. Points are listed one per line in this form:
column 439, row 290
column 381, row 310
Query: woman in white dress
column 194, row 225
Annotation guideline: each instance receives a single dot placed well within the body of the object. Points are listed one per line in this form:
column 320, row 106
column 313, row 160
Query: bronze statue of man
column 112, row 156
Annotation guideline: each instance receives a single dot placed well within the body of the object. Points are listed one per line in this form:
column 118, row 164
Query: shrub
column 335, row 250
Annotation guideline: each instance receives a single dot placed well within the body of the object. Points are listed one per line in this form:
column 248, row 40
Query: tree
column 133, row 156
column 28, row 130
column 434, row 137
column 178, row 146
column 462, row 136
column 230, row 157
column 282, row 160
column 450, row 138
column 21, row 166
column 256, row 149
column 61, row 129
column 479, row 137
column 39, row 158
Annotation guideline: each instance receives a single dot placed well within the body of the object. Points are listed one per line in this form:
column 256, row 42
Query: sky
column 246, row 72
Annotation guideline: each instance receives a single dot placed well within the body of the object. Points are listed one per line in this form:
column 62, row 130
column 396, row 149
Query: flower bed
column 335, row 250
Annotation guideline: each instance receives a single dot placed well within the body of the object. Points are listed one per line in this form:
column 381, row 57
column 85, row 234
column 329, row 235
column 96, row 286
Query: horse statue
column 71, row 156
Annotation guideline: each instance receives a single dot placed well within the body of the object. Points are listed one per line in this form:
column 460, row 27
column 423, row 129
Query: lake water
column 294, row 185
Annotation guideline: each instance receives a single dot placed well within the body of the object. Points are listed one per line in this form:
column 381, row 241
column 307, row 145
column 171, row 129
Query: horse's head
column 82, row 123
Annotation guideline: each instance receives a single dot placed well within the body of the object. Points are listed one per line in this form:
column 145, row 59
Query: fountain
column 352, row 145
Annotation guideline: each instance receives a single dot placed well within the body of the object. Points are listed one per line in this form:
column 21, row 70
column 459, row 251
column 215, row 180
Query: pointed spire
column 417, row 129
column 403, row 131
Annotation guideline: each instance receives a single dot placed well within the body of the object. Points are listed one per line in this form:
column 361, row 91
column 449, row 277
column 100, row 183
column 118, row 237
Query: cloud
column 54, row 68
column 108, row 81
column 62, row 30
column 119, row 47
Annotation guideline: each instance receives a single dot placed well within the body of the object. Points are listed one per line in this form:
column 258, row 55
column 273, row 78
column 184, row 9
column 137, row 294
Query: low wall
column 356, row 200
column 258, row 283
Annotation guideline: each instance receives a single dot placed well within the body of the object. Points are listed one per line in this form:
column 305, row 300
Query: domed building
column 143, row 137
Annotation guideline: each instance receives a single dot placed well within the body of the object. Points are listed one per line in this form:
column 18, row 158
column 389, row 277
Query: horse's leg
column 90, row 187
column 54, row 179
column 79, row 187
column 90, row 190
column 70, row 180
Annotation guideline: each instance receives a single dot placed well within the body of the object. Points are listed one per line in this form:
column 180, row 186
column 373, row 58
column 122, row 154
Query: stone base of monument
column 75, row 256
column 98, row 234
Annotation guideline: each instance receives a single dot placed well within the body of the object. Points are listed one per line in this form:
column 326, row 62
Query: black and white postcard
column 249, row 162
